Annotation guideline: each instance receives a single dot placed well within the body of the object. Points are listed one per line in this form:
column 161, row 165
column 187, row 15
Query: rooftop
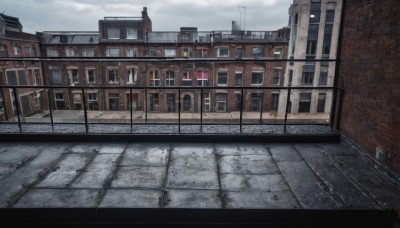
column 95, row 176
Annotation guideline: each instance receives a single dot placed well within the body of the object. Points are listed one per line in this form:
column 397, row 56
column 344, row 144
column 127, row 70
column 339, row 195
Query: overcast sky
column 166, row 15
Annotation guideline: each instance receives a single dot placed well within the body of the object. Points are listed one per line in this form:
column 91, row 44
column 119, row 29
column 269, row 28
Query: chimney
column 144, row 12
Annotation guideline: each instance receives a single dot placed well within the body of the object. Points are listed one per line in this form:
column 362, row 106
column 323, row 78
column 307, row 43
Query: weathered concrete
column 188, row 175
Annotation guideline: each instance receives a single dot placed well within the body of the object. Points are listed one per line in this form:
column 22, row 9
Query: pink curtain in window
column 202, row 75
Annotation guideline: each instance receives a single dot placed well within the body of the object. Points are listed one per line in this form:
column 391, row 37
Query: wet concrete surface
column 191, row 175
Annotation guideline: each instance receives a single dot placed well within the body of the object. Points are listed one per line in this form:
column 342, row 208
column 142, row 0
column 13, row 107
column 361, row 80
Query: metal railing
column 242, row 117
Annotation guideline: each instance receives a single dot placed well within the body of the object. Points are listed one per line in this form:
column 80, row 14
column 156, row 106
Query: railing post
column 49, row 95
column 85, row 110
column 262, row 105
column 179, row 110
column 241, row 110
column 5, row 106
column 17, row 108
column 287, row 109
column 131, row 108
column 201, row 110
column 145, row 102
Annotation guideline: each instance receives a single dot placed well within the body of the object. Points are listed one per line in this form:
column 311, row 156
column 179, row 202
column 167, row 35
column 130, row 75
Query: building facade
column 132, row 37
column 314, row 32
column 15, row 43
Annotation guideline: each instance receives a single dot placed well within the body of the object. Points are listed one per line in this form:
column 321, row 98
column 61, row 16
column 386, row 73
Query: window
column 90, row 76
column 312, row 39
column 52, row 53
column 112, row 52
column 187, row 78
column 186, row 52
column 315, row 11
column 170, row 53
column 308, row 78
column 36, row 99
column 274, row 101
column 22, row 77
column 206, row 102
column 154, row 78
column 77, row 101
column 56, row 76
column 323, row 78
column 186, row 102
column 59, row 100
column 170, row 102
column 258, row 52
column 290, row 78
column 12, row 77
column 88, row 53
column 330, row 16
column 321, row 102
column 71, row 52
column 113, row 33
column 131, row 33
column 277, row 53
column 36, row 75
column 92, row 101
column 152, row 53
column 131, row 52
column 17, row 51
column 238, row 102
column 220, row 102
column 153, row 97
column 1, row 106
column 223, row 52
column 256, row 101
column 113, row 76
column 169, row 78
column 28, row 51
column 239, row 78
column 73, row 76
column 222, row 78
column 257, row 78
column 326, row 47
column 276, row 76
column 202, row 78
column 239, row 52
column 304, row 102
column 131, row 75
column 3, row 51
column 201, row 52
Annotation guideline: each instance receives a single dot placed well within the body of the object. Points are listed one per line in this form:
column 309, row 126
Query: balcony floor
column 320, row 176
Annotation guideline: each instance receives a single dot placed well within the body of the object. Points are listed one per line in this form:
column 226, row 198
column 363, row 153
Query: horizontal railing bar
column 158, row 59
column 166, row 123
column 174, row 87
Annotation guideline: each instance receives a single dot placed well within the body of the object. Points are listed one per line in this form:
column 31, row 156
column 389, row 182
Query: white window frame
column 131, row 75
column 115, row 32
column 87, row 53
column 115, row 75
column 279, row 70
column 170, row 52
column 258, row 72
column 154, row 78
column 131, row 52
column 71, row 52
column 71, row 76
column 17, row 51
column 112, row 52
column 170, row 78
column 218, row 75
column 219, row 52
column 131, row 34
column 94, row 75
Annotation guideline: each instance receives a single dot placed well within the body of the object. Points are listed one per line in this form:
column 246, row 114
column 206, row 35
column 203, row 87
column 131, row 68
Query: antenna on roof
column 240, row 14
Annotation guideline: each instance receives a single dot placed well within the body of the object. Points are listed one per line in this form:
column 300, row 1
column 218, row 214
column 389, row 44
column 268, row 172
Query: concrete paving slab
column 65, row 171
column 18, row 155
column 253, row 200
column 227, row 149
column 370, row 180
column 112, row 148
column 247, row 164
column 139, row 177
column 129, row 198
column 267, row 183
column 99, row 170
column 59, row 198
column 192, row 178
column 284, row 152
column 194, row 156
column 192, row 199
column 308, row 189
column 337, row 149
column 16, row 182
column 85, row 148
column 146, row 154
column 343, row 190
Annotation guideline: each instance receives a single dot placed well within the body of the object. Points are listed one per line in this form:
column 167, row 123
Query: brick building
column 15, row 43
column 132, row 37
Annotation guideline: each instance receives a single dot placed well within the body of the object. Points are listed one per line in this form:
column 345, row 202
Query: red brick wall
column 370, row 75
